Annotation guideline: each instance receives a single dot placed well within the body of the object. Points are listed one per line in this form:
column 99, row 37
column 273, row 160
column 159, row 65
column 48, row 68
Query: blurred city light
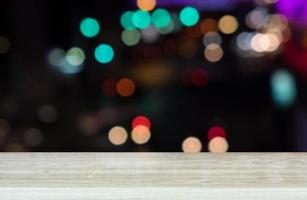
column 89, row 27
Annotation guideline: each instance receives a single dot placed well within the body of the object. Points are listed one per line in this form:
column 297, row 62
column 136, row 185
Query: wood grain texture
column 91, row 176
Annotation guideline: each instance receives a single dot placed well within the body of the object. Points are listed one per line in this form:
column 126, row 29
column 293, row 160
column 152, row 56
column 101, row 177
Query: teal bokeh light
column 189, row 16
column 283, row 88
column 141, row 19
column 161, row 18
column 126, row 20
column 89, row 27
column 104, row 53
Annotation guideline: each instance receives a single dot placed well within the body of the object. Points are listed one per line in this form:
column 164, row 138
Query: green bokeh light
column 283, row 88
column 89, row 27
column 104, row 53
column 75, row 56
column 141, row 19
column 161, row 18
column 189, row 16
column 126, row 20
column 131, row 37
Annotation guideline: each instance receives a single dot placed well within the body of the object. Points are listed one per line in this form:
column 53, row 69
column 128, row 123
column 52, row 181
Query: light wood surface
column 89, row 176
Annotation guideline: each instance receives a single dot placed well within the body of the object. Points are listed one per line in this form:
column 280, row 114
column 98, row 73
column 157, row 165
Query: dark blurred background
column 76, row 75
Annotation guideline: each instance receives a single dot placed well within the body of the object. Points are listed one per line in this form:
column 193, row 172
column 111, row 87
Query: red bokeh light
column 141, row 121
column 216, row 131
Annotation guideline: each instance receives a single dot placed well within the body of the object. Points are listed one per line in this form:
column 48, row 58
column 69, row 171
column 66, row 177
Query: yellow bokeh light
column 141, row 135
column 228, row 24
column 218, row 145
column 146, row 5
column 191, row 145
column 213, row 53
column 118, row 135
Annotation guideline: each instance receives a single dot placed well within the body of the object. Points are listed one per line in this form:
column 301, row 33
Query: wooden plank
column 82, row 176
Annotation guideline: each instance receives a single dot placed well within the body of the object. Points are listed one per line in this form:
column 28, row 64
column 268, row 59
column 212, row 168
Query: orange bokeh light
column 125, row 87
column 146, row 5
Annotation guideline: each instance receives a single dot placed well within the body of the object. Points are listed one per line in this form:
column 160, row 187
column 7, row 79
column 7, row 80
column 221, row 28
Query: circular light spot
column 161, row 18
column 89, row 27
column 4, row 45
column 118, row 135
column 150, row 34
column 244, row 41
column 189, row 16
column 216, row 132
column 47, row 114
column 75, row 56
column 126, row 20
column 88, row 125
column 208, row 25
column 218, row 145
column 212, row 38
column 191, row 145
column 131, row 37
column 283, row 88
column 146, row 5
column 141, row 135
column 214, row 53
column 228, row 24
column 33, row 137
column 125, row 87
column 104, row 53
column 56, row 56
column 141, row 120
column 141, row 19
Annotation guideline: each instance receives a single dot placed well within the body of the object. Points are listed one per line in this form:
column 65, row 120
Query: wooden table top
column 82, row 176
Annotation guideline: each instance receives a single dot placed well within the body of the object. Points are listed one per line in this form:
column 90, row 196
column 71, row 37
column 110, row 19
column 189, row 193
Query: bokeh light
column 5, row 45
column 146, row 5
column 150, row 34
column 57, row 58
column 218, row 145
column 88, row 124
column 257, row 18
column 118, row 135
column 141, row 135
column 104, row 53
column 89, row 27
column 228, row 24
column 141, row 120
column 191, row 145
column 131, row 37
column 212, row 38
column 216, row 131
column 189, row 16
column 208, row 25
column 125, row 87
column 33, row 137
column 75, row 56
column 161, row 18
column 214, row 53
column 141, row 19
column 284, row 90
column 126, row 20
column 47, row 114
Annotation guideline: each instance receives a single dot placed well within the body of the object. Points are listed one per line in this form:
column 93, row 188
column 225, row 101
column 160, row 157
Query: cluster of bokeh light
column 140, row 133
